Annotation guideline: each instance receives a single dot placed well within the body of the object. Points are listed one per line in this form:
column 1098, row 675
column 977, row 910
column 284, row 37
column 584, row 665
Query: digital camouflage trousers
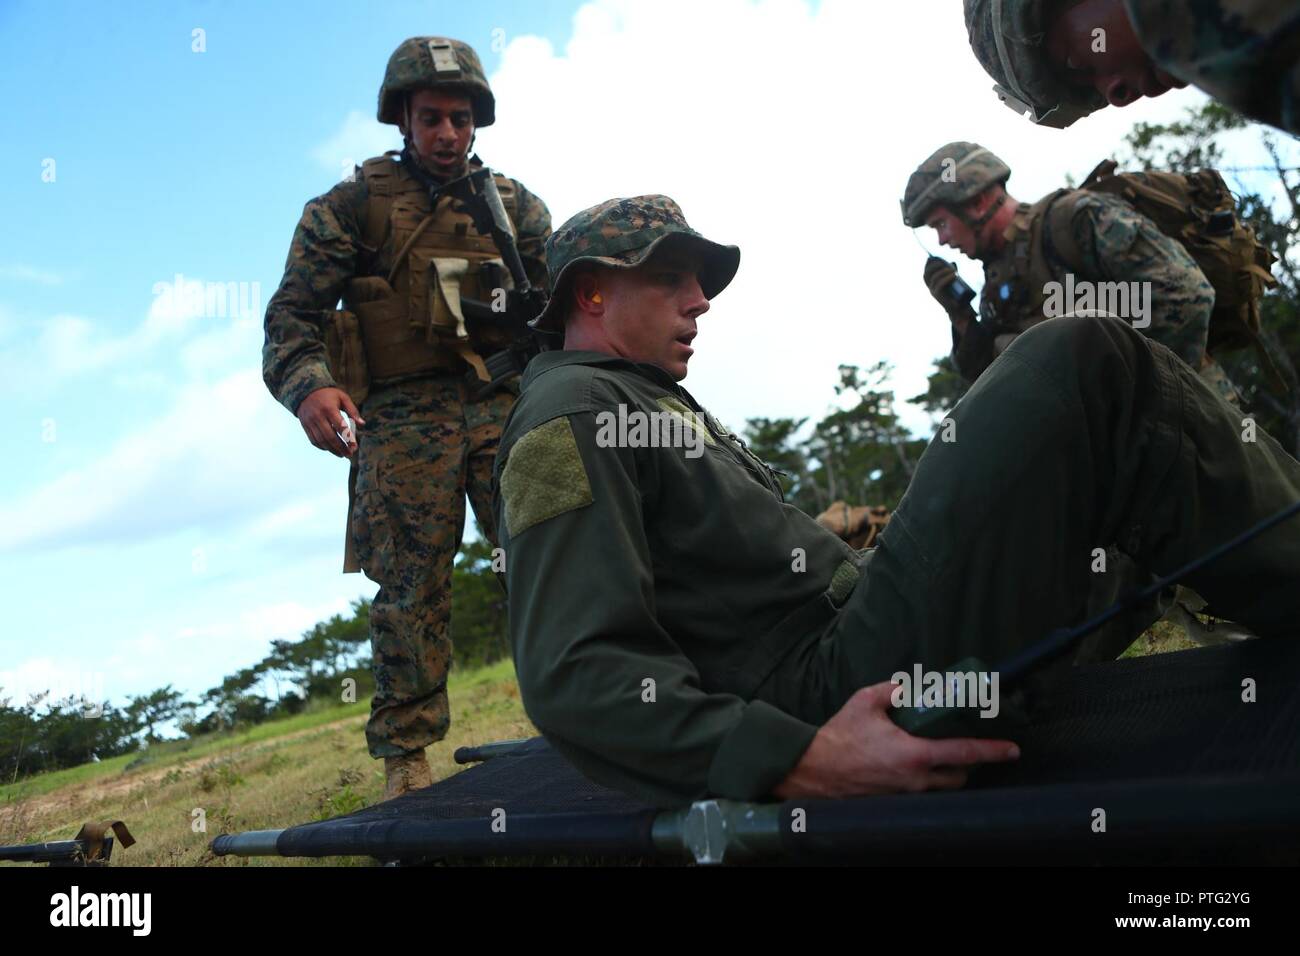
column 425, row 446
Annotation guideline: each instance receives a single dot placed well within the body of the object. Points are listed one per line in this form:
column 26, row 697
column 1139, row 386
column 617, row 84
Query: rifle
column 510, row 309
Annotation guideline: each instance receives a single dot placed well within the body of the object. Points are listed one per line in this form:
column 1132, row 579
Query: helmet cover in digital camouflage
column 422, row 63
column 952, row 175
column 1009, row 39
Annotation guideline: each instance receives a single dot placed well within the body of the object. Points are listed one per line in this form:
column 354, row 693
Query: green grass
column 173, row 751
column 1161, row 638
column 307, row 767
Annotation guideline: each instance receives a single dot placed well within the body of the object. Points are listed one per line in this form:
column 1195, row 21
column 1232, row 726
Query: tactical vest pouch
column 1031, row 261
column 346, row 354
column 446, row 321
column 391, row 351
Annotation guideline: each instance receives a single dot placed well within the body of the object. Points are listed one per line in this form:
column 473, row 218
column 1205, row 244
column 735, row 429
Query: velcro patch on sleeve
column 544, row 477
column 692, row 420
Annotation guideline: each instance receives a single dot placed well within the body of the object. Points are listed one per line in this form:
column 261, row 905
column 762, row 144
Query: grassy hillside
column 306, row 767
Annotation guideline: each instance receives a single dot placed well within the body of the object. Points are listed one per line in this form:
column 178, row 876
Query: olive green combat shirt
column 651, row 593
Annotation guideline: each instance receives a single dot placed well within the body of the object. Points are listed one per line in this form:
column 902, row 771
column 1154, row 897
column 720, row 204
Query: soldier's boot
column 408, row 772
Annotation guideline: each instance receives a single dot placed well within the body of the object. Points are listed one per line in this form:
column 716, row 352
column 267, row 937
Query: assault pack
column 1200, row 212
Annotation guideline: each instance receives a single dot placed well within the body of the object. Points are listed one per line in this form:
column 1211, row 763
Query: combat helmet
column 1009, row 39
column 953, row 175
column 435, row 62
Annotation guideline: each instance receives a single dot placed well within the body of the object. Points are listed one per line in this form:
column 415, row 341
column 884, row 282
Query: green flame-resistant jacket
column 652, row 592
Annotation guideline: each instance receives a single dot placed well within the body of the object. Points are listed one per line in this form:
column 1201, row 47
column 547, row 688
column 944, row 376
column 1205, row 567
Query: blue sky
column 161, row 518
column 137, row 548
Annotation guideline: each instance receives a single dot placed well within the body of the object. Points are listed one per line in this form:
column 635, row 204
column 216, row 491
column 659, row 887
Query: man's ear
column 587, row 294
column 979, row 204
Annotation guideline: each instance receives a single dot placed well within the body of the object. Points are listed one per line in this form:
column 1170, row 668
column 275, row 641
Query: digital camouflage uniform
column 679, row 631
column 428, row 441
column 1244, row 53
column 1109, row 241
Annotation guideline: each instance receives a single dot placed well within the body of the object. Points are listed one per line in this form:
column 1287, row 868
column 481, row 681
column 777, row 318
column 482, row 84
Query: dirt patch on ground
column 31, row 814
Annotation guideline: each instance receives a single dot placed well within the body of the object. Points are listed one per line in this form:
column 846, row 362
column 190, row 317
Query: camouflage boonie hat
column 422, row 63
column 622, row 234
column 971, row 168
column 1009, row 39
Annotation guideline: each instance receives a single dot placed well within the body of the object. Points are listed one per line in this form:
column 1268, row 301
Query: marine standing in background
column 428, row 388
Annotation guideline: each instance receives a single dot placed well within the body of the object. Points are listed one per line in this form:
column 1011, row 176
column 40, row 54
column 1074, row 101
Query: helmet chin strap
column 980, row 222
column 976, row 225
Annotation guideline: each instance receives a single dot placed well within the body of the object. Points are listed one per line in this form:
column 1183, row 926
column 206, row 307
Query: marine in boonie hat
column 622, row 234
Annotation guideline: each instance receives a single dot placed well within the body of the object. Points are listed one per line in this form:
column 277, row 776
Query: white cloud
column 192, row 657
column 360, row 137
column 66, row 345
column 20, row 272
column 217, row 458
column 791, row 132
column 231, row 344
column 251, row 631
column 59, row 678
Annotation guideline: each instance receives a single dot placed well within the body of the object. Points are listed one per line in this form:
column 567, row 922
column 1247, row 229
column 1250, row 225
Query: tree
column 945, row 387
column 775, row 441
column 478, row 607
column 152, row 709
column 865, row 454
column 860, row 453
column 46, row 734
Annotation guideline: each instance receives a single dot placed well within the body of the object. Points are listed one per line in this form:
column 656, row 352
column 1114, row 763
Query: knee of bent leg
column 1077, row 344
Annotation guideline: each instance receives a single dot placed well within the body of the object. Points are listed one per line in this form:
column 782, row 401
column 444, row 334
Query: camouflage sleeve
column 533, row 226
column 321, row 260
column 1117, row 244
column 1241, row 52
